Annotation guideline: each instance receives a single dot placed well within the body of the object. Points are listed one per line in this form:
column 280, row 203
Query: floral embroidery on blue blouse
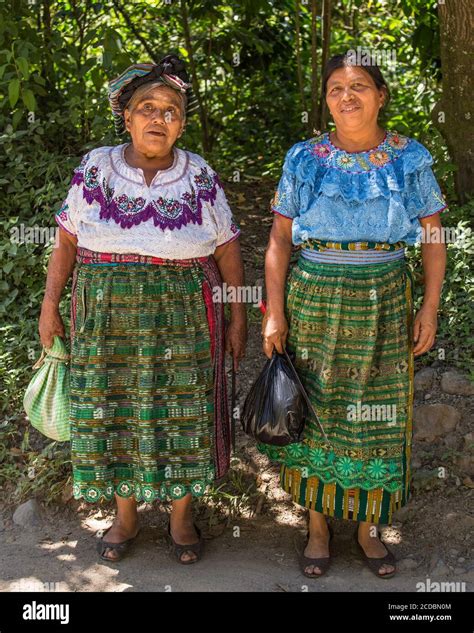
column 377, row 195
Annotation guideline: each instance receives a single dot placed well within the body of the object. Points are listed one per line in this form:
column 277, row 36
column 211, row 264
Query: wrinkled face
column 155, row 121
column 353, row 98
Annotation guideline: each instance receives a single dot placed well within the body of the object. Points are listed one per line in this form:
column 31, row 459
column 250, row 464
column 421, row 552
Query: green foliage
column 35, row 179
column 454, row 341
column 28, row 466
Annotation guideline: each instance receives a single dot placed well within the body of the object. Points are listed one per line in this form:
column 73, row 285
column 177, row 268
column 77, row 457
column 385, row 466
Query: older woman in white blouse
column 148, row 234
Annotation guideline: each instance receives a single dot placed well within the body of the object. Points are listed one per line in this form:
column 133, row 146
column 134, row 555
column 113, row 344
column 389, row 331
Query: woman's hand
column 50, row 323
column 434, row 265
column 277, row 259
column 274, row 332
column 61, row 264
column 236, row 340
column 424, row 329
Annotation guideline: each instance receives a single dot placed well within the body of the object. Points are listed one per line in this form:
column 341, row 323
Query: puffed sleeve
column 227, row 227
column 423, row 191
column 66, row 217
column 430, row 193
column 285, row 199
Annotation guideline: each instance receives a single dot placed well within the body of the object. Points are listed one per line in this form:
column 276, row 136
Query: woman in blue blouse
column 352, row 199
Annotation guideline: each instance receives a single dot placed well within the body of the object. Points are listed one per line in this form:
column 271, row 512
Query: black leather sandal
column 375, row 564
column 195, row 548
column 322, row 563
column 121, row 548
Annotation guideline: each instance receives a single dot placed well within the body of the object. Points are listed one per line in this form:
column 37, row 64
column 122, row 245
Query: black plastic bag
column 276, row 407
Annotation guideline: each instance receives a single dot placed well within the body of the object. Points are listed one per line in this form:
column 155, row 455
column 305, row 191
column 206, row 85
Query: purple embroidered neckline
column 167, row 213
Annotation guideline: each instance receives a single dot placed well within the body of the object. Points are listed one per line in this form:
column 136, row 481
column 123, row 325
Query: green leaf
column 88, row 64
column 107, row 58
column 28, row 99
column 13, row 91
column 96, row 77
column 22, row 64
column 89, row 37
column 40, row 91
column 16, row 118
column 407, row 10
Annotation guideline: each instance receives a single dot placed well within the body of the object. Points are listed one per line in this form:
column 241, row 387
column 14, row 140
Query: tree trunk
column 79, row 13
column 354, row 26
column 314, row 122
column 206, row 141
column 326, row 37
column 48, row 68
column 454, row 114
column 299, row 68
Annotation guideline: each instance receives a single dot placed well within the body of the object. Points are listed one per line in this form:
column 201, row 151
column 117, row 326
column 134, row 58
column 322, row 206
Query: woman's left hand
column 236, row 339
column 424, row 329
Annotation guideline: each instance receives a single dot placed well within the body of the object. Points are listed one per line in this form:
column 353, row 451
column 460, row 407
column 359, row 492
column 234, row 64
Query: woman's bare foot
column 124, row 527
column 119, row 533
column 182, row 526
column 318, row 542
column 373, row 546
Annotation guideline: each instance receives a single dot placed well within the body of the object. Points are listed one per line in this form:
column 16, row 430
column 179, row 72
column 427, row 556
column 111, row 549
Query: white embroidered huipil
column 182, row 214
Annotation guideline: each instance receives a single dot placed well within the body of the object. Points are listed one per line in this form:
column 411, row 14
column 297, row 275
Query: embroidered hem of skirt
column 350, row 328
column 149, row 412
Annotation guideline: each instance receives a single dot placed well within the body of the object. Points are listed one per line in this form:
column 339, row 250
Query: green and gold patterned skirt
column 149, row 414
column 350, row 328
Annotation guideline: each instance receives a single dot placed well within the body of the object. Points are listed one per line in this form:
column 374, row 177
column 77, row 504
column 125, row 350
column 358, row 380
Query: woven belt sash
column 323, row 251
column 85, row 256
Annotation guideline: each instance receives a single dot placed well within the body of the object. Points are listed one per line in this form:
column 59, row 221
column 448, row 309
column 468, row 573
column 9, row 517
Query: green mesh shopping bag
column 46, row 399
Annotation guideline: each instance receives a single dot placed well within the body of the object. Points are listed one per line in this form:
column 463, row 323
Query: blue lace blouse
column 377, row 195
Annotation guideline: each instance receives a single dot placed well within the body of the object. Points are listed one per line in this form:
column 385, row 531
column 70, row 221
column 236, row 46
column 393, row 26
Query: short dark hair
column 346, row 59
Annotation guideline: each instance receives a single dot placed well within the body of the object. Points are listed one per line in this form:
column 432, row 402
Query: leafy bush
column 454, row 341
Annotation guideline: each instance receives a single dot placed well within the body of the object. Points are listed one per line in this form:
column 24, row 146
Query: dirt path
column 253, row 554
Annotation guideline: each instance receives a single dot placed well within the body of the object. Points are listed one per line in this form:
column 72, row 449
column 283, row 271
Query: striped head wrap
column 170, row 70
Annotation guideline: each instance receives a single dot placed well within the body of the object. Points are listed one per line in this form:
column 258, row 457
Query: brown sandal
column 322, row 563
column 121, row 548
column 375, row 564
column 195, row 548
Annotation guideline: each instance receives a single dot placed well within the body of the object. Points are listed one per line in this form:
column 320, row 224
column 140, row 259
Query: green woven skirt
column 350, row 328
column 143, row 397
